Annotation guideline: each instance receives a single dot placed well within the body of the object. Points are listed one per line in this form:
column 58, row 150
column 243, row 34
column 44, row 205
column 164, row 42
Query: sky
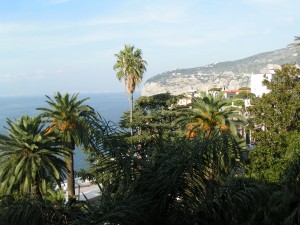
column 70, row 45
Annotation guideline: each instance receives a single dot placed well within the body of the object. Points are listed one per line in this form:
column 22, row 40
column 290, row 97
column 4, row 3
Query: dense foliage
column 179, row 165
column 275, row 118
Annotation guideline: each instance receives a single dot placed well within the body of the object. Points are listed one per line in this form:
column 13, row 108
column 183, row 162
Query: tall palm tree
column 130, row 67
column 72, row 121
column 29, row 157
column 210, row 113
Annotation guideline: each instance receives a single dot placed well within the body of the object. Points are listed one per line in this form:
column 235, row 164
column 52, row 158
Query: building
column 187, row 99
column 256, row 85
column 233, row 93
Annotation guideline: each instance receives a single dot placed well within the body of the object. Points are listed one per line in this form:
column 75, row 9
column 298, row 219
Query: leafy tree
column 215, row 89
column 275, row 120
column 153, row 117
column 72, row 121
column 156, row 102
column 130, row 67
column 29, row 158
column 244, row 88
column 244, row 95
column 151, row 111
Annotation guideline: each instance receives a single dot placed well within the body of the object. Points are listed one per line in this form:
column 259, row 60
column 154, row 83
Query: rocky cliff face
column 229, row 75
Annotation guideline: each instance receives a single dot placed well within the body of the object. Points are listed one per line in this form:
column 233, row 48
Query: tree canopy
column 275, row 120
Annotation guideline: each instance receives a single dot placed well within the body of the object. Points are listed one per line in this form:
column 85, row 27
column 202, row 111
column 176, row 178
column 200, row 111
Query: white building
column 188, row 98
column 256, row 85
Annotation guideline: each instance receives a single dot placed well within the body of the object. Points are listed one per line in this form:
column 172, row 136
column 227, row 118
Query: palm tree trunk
column 70, row 175
column 131, row 112
column 35, row 191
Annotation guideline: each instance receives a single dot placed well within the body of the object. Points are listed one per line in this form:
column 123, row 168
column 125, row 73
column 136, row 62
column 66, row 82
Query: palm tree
column 29, row 157
column 210, row 113
column 130, row 67
column 72, row 121
column 297, row 41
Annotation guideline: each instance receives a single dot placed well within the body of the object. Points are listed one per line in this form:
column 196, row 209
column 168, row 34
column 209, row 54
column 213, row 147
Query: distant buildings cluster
column 256, row 87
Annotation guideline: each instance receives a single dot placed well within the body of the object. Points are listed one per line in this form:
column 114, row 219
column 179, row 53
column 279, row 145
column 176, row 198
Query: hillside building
column 233, row 93
column 256, row 85
column 187, row 99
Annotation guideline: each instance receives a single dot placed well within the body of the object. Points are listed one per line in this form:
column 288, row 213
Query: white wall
column 256, row 84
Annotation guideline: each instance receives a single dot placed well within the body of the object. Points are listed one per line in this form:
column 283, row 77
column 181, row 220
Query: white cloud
column 11, row 77
column 67, row 41
column 55, row 35
column 155, row 12
column 12, row 27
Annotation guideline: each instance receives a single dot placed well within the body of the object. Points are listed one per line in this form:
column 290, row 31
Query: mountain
column 226, row 75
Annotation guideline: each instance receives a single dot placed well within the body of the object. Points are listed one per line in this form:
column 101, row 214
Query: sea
column 110, row 106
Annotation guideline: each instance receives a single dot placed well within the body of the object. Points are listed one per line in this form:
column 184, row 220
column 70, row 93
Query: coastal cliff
column 225, row 75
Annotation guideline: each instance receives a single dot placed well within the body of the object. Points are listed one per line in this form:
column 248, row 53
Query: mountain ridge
column 227, row 74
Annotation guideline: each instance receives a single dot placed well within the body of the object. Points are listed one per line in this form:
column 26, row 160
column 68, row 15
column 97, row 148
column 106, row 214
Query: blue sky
column 69, row 45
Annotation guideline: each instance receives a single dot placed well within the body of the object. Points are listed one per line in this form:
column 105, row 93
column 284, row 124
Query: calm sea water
column 109, row 105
